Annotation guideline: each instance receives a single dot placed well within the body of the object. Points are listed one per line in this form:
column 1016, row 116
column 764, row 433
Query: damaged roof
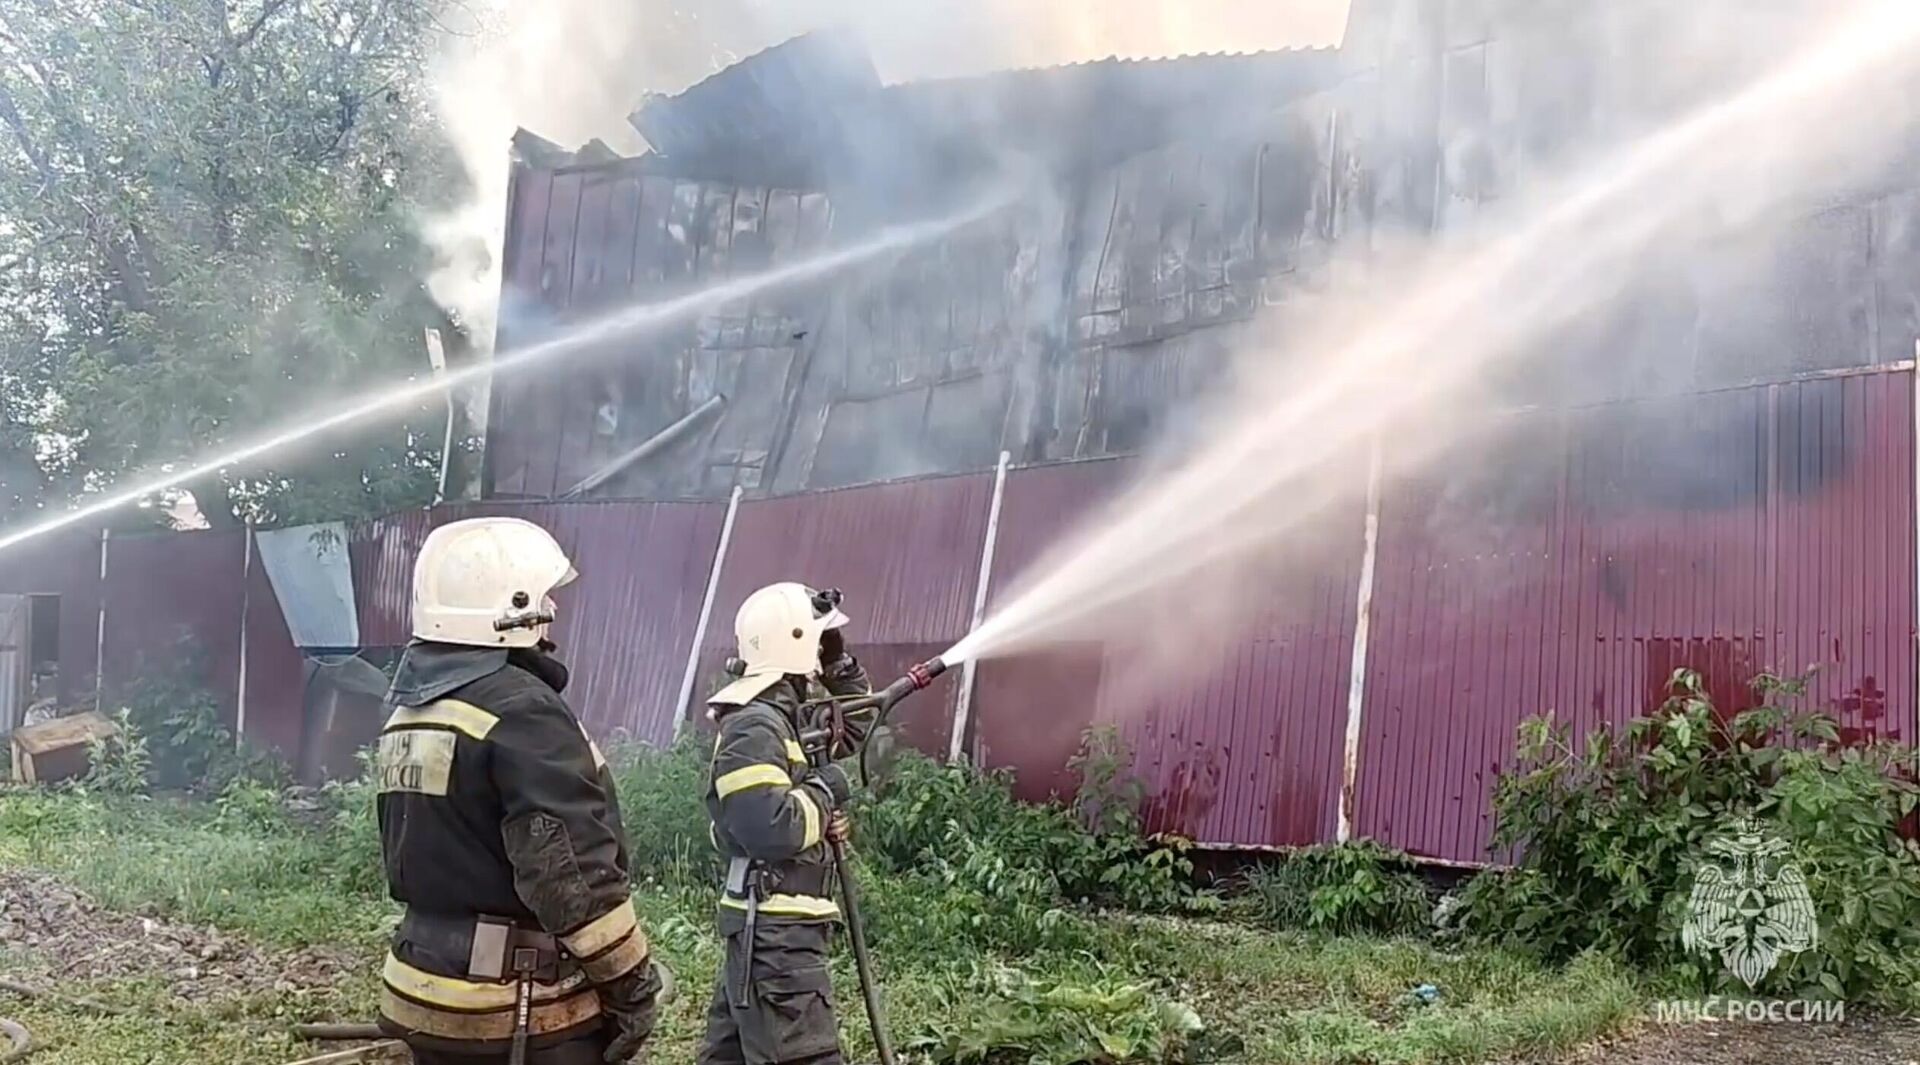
column 812, row 111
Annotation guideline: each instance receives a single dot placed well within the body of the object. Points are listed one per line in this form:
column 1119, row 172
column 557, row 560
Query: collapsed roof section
column 812, row 113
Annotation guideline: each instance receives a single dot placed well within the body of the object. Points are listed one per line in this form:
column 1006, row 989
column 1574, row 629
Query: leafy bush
column 119, row 764
column 965, row 827
column 351, row 825
column 1014, row 1019
column 248, row 805
column 1609, row 838
column 1345, row 888
column 662, row 804
column 191, row 747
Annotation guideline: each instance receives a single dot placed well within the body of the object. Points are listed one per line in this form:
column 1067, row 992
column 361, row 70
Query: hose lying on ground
column 16, row 1035
column 348, row 1057
column 28, row 991
column 327, row 1032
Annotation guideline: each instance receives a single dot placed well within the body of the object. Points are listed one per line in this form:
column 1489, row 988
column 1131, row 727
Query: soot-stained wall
column 1079, row 321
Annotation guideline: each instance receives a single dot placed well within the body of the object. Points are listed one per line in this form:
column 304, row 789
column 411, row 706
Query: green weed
column 993, row 923
column 1611, row 835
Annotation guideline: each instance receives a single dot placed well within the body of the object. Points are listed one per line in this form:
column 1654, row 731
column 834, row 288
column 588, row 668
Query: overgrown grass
column 965, row 886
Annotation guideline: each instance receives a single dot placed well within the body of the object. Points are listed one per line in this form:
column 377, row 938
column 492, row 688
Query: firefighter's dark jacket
column 765, row 806
column 494, row 802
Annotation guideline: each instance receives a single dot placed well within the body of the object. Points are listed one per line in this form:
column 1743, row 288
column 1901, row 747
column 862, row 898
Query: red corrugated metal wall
column 172, row 592
column 1246, row 750
column 625, row 626
column 1760, row 529
column 907, row 555
column 276, row 671
column 1570, row 568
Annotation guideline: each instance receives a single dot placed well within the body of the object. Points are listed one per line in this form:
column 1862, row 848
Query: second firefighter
column 772, row 816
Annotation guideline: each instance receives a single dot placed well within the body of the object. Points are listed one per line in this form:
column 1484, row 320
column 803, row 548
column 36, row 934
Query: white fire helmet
column 779, row 627
column 486, row 582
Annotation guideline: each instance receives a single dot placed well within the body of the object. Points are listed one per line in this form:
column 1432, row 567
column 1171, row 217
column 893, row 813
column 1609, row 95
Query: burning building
column 1715, row 473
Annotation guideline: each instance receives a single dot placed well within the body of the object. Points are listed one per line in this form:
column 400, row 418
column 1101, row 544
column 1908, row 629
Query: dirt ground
column 1860, row 1041
column 50, row 932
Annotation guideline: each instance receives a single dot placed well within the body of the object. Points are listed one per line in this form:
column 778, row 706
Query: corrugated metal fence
column 1762, row 529
column 1758, row 529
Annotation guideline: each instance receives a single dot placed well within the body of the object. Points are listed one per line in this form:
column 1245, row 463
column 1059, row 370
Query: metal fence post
column 1357, row 671
column 100, row 634
column 706, row 611
column 963, row 703
column 240, row 685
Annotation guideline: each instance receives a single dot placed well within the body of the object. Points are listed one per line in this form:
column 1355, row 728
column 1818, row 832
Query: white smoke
column 572, row 70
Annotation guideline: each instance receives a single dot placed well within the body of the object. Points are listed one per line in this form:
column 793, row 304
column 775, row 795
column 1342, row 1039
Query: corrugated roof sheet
column 776, row 107
column 312, row 579
column 811, row 110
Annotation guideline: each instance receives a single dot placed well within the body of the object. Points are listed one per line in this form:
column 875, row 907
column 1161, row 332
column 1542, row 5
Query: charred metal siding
column 907, row 555
column 625, row 627
column 583, row 241
column 1761, row 529
column 1246, row 750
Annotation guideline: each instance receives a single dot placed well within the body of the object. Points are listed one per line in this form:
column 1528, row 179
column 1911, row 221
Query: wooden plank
column 527, row 231
column 680, row 259
column 714, row 233
column 588, row 283
column 563, row 213
column 650, row 243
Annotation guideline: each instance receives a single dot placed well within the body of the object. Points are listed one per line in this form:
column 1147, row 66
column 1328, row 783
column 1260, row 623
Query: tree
column 207, row 227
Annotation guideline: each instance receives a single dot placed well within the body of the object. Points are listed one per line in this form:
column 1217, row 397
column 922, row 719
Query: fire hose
column 818, row 742
column 21, row 1042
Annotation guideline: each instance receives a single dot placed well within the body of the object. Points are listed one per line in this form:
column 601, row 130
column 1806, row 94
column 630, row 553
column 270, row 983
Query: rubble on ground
column 51, row 933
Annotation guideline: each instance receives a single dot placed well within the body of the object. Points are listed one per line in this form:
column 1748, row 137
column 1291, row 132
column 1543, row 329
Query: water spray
column 1449, row 321
column 646, row 317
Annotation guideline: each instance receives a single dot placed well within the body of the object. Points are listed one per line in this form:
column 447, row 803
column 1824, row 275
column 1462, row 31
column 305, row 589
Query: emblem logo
column 1750, row 904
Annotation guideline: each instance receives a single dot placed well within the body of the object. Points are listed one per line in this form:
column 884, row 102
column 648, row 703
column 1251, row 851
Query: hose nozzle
column 923, row 674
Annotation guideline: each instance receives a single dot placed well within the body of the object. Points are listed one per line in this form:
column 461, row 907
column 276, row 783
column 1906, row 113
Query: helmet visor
column 826, row 608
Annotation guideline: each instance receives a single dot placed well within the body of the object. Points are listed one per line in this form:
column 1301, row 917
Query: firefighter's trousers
column 783, row 1014
column 588, row 1050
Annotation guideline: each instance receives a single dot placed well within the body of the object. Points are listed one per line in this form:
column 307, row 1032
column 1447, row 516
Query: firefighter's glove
column 833, row 647
column 629, row 1005
column 833, row 779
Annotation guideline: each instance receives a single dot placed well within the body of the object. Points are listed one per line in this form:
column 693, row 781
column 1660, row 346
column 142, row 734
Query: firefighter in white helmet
column 499, row 825
column 772, row 814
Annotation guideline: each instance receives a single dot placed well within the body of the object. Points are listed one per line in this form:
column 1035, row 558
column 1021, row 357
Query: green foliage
column 964, row 829
column 1012, row 1018
column 250, row 806
column 662, row 806
column 294, row 875
column 211, row 224
column 350, row 822
column 1609, row 837
column 1344, row 889
column 119, row 764
column 192, row 748
column 1110, row 796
